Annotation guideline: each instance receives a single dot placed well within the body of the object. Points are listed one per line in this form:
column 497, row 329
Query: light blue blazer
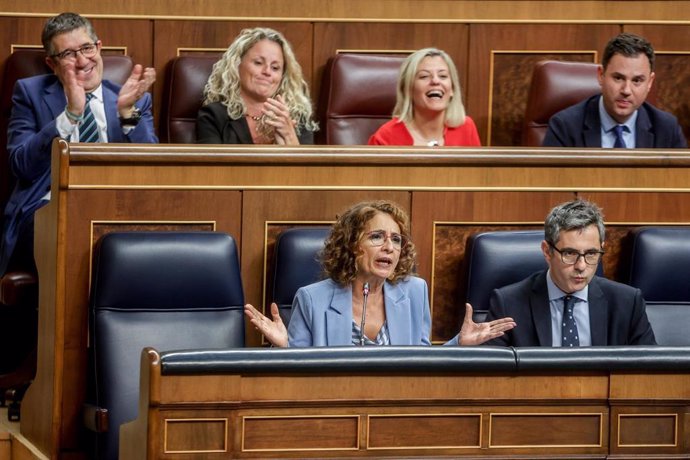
column 322, row 314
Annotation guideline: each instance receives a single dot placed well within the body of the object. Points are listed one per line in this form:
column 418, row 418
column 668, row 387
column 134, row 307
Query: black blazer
column 616, row 313
column 214, row 126
column 580, row 126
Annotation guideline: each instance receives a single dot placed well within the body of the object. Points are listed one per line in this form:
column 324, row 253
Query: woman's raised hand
column 274, row 330
column 477, row 333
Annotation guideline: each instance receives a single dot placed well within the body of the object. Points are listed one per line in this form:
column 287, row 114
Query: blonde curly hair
column 223, row 84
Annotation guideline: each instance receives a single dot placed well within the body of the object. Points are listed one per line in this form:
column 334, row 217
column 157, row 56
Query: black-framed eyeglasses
column 88, row 51
column 571, row 256
column 379, row 237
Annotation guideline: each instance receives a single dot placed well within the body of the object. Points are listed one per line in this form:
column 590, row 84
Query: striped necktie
column 88, row 130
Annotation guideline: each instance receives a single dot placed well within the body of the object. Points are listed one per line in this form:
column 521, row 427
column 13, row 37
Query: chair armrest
column 16, row 287
column 95, row 418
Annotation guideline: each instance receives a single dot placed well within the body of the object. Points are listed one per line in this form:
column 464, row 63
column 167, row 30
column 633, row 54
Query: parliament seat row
column 175, row 290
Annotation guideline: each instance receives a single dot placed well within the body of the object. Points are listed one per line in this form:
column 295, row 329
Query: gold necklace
column 253, row 117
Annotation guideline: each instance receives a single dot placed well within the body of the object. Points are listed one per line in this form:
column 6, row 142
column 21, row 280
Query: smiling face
column 261, row 70
column 89, row 71
column 377, row 263
column 571, row 278
column 625, row 84
column 433, row 87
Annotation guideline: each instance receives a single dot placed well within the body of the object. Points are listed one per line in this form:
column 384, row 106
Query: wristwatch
column 133, row 118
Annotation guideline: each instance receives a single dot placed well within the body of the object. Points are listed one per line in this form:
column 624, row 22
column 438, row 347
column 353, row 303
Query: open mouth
column 435, row 94
column 384, row 261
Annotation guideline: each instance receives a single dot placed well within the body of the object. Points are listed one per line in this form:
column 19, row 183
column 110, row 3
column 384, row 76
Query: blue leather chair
column 167, row 290
column 659, row 267
column 660, row 263
column 497, row 259
column 296, row 264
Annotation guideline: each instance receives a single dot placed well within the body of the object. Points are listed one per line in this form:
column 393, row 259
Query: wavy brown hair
column 341, row 251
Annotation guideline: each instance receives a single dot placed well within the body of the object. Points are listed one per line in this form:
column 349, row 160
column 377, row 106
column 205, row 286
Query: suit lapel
column 241, row 129
column 592, row 127
column 339, row 317
column 55, row 99
column 541, row 312
column 397, row 305
column 644, row 135
column 115, row 133
column 598, row 313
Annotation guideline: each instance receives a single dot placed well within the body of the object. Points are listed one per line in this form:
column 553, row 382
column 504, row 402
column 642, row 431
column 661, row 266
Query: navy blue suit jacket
column 617, row 313
column 36, row 103
column 580, row 126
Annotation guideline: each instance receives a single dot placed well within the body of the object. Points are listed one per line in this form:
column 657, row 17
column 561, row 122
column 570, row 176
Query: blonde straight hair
column 404, row 105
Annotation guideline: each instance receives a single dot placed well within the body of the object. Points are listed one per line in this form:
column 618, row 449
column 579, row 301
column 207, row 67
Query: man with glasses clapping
column 73, row 103
column 568, row 305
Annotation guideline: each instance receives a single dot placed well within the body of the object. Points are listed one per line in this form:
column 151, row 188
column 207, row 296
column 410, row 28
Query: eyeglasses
column 378, row 238
column 570, row 256
column 88, row 51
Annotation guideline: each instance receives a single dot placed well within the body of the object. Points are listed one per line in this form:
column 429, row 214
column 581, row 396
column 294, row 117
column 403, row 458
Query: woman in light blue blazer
column 369, row 259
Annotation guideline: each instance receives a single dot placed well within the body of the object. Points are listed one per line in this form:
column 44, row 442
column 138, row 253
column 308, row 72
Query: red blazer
column 395, row 132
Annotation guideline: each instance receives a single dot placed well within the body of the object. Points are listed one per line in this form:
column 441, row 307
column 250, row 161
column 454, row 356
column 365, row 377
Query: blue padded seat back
column 166, row 290
column 296, row 264
column 660, row 263
column 497, row 259
column 670, row 323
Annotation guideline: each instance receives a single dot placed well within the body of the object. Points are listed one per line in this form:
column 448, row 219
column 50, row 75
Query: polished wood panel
column 389, row 413
column 406, row 10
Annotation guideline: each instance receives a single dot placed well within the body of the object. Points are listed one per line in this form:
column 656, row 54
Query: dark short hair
column 628, row 45
column 341, row 251
column 572, row 215
column 63, row 23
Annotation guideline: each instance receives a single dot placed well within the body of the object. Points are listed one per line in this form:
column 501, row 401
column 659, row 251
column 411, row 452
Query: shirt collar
column 556, row 293
column 608, row 123
column 98, row 93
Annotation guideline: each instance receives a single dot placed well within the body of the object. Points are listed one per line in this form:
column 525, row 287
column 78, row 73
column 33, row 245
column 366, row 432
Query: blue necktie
column 618, row 131
column 88, row 130
column 569, row 336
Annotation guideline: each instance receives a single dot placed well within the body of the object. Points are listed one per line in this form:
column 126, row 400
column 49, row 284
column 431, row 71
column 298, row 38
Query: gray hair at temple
column 573, row 215
column 63, row 23
column 628, row 45
column 404, row 105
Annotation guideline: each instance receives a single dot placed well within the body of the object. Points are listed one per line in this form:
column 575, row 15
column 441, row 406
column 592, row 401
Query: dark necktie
column 569, row 334
column 618, row 131
column 88, row 130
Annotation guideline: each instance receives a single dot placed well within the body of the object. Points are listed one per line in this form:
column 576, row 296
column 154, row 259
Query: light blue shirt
column 580, row 311
column 608, row 136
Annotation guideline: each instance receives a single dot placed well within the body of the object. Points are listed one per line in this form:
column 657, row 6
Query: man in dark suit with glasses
column 568, row 305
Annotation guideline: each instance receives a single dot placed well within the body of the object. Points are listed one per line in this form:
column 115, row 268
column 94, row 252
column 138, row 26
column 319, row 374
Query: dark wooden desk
column 412, row 402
